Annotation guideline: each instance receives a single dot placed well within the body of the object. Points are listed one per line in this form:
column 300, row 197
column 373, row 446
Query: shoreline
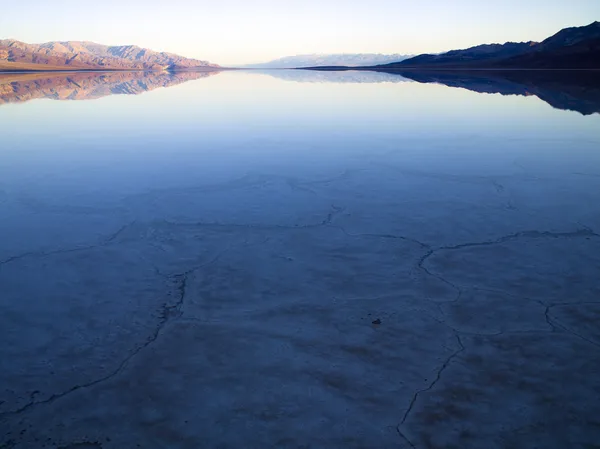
column 443, row 69
column 212, row 69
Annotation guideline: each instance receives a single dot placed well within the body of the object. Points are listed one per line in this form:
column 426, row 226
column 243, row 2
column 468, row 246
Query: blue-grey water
column 298, row 259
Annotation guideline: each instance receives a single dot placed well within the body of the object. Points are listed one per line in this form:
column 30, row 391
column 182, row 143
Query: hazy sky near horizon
column 230, row 32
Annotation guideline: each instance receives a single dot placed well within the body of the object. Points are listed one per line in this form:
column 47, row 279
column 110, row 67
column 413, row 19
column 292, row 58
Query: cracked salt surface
column 365, row 294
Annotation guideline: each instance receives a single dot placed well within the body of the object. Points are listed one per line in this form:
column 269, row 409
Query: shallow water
column 158, row 227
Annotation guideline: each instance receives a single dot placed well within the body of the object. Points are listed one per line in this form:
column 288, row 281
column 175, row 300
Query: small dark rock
column 377, row 321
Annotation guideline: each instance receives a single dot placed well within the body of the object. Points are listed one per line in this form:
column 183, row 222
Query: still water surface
column 299, row 259
column 442, row 146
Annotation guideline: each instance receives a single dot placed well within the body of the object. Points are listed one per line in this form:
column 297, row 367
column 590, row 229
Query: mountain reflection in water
column 18, row 88
column 568, row 90
column 562, row 89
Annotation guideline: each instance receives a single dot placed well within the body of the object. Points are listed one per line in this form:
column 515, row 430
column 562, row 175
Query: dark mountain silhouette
column 571, row 48
column 76, row 55
column 475, row 55
column 582, row 55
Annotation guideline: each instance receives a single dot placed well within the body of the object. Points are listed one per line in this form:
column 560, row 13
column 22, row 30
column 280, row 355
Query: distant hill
column 338, row 59
column 75, row 55
column 571, row 48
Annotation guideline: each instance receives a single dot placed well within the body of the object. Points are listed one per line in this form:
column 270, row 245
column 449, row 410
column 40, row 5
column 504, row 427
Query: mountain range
column 76, row 55
column 345, row 59
column 570, row 48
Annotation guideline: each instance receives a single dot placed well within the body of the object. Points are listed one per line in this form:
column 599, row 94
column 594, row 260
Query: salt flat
column 422, row 292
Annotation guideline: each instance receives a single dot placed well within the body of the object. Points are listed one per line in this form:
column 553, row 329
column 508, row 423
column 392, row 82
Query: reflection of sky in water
column 238, row 122
column 240, row 251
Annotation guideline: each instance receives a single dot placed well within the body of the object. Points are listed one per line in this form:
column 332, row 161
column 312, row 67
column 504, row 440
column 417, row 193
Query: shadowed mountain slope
column 571, row 48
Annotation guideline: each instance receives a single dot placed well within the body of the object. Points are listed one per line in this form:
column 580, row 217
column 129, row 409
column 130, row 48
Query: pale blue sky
column 242, row 31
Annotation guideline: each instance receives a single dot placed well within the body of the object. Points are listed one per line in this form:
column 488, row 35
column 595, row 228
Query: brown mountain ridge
column 80, row 55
